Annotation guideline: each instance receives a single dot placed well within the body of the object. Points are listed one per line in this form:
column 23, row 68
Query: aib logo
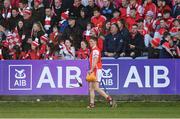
column 110, row 76
column 20, row 77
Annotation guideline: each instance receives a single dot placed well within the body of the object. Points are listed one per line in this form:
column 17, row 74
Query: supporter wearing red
column 38, row 11
column 114, row 43
column 138, row 8
column 161, row 6
column 15, row 3
column 73, row 32
column 167, row 17
column 116, row 16
column 167, row 44
column 124, row 32
column 33, row 54
column 42, row 50
column 175, row 30
column 76, row 8
column 28, row 23
column 176, row 9
column 136, row 43
column 86, row 33
column 130, row 20
column 98, row 20
column 149, row 6
column 148, row 22
column 91, row 6
column 123, row 8
column 54, row 36
column 107, row 9
column 83, row 52
column 153, row 49
column 161, row 29
column 49, row 20
column 14, row 19
column 17, row 53
column 23, row 4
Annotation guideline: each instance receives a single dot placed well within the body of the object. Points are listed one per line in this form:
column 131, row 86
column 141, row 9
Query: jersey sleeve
column 95, row 54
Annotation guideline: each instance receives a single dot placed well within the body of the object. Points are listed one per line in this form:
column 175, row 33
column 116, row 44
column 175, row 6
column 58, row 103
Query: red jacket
column 15, row 3
column 150, row 7
column 98, row 21
column 130, row 21
column 161, row 10
column 115, row 20
column 169, row 21
column 83, row 54
column 123, row 12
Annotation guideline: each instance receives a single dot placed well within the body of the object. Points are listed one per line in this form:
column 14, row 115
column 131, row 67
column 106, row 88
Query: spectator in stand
column 17, row 53
column 20, row 29
column 54, row 36
column 3, row 32
column 91, row 6
column 176, row 9
column 86, row 33
column 68, row 53
column 107, row 9
column 116, row 16
column 130, row 20
column 63, row 23
column 136, row 43
column 15, row 3
column 14, row 19
column 154, row 49
column 43, row 49
column 33, row 54
column 124, row 32
column 99, row 3
column 83, row 52
column 175, row 30
column 73, row 32
column 76, row 8
column 28, row 23
column 114, row 43
column 5, row 50
column 83, row 19
column 23, row 4
column 38, row 11
column 167, row 17
column 51, row 52
column 138, row 9
column 150, row 6
column 37, row 32
column 6, row 12
column 161, row 29
column 167, row 44
column 58, row 9
column 123, row 9
column 98, row 20
column 106, row 28
column 162, row 6
column 49, row 20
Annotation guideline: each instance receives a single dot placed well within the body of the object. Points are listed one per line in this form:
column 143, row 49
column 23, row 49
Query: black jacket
column 38, row 14
column 73, row 33
column 114, row 43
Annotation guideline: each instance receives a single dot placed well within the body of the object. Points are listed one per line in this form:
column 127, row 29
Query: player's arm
column 94, row 60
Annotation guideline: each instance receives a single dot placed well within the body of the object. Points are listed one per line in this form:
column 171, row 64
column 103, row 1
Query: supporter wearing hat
column 149, row 6
column 64, row 21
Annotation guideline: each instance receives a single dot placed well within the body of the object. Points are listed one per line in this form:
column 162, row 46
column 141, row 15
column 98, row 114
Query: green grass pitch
column 75, row 109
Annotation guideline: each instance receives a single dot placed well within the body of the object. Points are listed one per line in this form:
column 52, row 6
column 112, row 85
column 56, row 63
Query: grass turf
column 75, row 109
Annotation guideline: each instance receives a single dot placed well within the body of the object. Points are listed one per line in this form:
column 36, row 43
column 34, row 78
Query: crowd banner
column 44, row 77
column 62, row 77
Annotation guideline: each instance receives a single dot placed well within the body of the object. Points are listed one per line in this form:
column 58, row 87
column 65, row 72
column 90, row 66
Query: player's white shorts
column 99, row 75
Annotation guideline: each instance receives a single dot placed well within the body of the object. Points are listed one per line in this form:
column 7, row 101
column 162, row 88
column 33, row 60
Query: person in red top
column 83, row 52
column 96, row 68
column 98, row 20
column 168, row 19
column 123, row 8
column 132, row 18
column 43, row 39
column 149, row 6
column 116, row 16
column 162, row 6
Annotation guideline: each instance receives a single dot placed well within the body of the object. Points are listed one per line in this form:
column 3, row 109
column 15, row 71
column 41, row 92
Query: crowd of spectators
column 61, row 29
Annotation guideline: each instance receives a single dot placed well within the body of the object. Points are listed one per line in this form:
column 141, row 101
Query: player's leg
column 92, row 95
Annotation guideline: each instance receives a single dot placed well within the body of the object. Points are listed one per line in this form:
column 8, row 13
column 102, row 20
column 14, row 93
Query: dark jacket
column 90, row 10
column 108, row 12
column 73, row 33
column 76, row 10
column 114, row 43
column 13, row 21
column 38, row 14
column 138, row 42
column 175, row 10
column 126, row 37
column 163, row 52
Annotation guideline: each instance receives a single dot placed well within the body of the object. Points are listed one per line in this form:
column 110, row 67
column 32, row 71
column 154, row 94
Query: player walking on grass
column 96, row 68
